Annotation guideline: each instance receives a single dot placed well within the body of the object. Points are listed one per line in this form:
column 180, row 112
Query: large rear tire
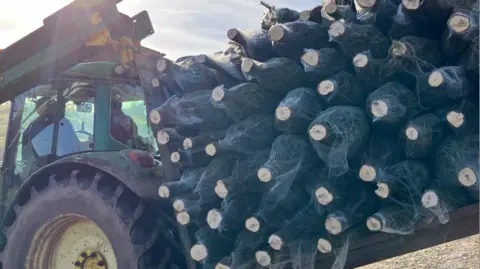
column 84, row 219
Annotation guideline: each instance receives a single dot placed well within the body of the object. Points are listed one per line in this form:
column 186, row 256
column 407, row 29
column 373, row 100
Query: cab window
column 128, row 118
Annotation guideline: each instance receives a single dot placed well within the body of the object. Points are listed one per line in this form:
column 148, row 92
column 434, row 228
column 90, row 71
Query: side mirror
column 84, row 108
column 143, row 25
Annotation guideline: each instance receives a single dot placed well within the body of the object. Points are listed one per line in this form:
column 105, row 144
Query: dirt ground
column 459, row 254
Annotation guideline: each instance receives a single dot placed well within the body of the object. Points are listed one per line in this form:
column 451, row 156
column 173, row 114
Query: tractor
column 85, row 198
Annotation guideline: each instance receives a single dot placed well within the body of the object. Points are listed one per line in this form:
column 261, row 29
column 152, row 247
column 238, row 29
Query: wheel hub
column 90, row 259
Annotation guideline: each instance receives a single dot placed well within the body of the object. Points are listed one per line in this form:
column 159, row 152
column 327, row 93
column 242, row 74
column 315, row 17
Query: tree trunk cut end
column 163, row 192
column 162, row 138
column 336, row 29
column 367, row 173
column 435, row 79
column 333, row 225
column 198, row 252
column 221, row 266
column 252, row 224
column 211, row 150
column 187, row 143
column 183, row 218
column 366, row 3
column 467, row 177
column 179, row 205
column 456, row 119
column 218, row 93
column 276, row 33
column 214, row 218
column 430, row 199
column 330, row 8
column 412, row 133
column 360, row 60
column 154, row 117
column 264, row 175
column 374, row 224
column 326, row 87
column 283, row 113
column 382, row 190
column 379, row 109
column 161, row 65
column 324, row 197
column 311, row 57
column 247, row 65
column 324, row 246
column 411, row 4
column 221, row 190
column 318, row 132
column 305, row 15
column 459, row 23
column 175, row 157
column 398, row 49
column 275, row 242
column 263, row 258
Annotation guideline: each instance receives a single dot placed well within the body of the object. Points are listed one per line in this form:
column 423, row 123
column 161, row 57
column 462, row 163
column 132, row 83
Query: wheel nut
column 101, row 263
column 93, row 254
column 77, row 263
column 84, row 255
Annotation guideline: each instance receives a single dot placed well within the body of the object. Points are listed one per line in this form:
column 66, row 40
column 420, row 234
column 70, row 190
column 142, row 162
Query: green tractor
column 80, row 165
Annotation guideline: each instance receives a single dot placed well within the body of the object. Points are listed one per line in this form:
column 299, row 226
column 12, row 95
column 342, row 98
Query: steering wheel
column 89, row 135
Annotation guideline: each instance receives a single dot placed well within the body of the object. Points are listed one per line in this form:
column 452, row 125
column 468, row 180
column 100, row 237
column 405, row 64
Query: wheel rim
column 71, row 241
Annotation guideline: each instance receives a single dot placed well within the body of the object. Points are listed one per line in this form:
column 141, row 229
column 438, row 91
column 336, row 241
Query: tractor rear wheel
column 84, row 220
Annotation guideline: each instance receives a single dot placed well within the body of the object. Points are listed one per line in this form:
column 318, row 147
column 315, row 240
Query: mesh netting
column 380, row 151
column 355, row 38
column 220, row 167
column 461, row 117
column 182, row 188
column 193, row 110
column 413, row 55
column 302, row 227
column 391, row 105
column 224, row 62
column 171, row 136
column 443, row 86
column 423, row 135
column 202, row 139
column 322, row 64
column 441, row 199
column 457, row 162
column 351, row 209
column 255, row 133
column 313, row 15
column 403, row 183
column 254, row 43
column 336, row 12
column 297, row 110
column 429, row 17
column 243, row 179
column 188, row 74
column 277, row 74
column 235, row 209
column 192, row 211
column 275, row 212
column 244, row 100
column 402, row 25
column 368, row 69
column 247, row 243
column 380, row 15
column 211, row 246
column 290, row 158
column 290, row 39
column 273, row 15
column 394, row 219
column 469, row 60
column 337, row 134
column 190, row 158
column 342, row 89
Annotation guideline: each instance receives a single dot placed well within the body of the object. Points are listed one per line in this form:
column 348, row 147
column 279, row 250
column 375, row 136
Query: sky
column 182, row 27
